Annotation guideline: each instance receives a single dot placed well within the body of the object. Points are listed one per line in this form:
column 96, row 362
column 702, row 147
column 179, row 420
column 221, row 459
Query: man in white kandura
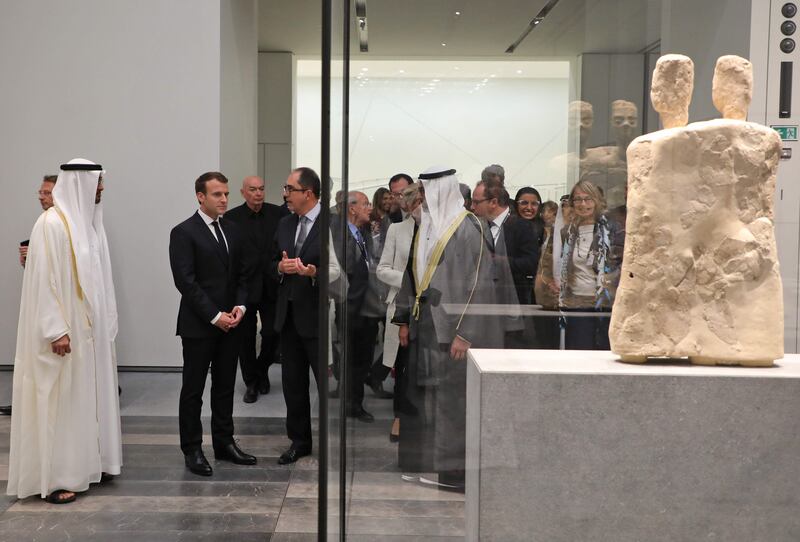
column 65, row 428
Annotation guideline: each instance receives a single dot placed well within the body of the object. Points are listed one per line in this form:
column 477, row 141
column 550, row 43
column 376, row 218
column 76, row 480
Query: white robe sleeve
column 47, row 258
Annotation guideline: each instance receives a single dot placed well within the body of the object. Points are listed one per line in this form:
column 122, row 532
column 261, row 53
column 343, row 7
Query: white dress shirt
column 496, row 224
column 209, row 221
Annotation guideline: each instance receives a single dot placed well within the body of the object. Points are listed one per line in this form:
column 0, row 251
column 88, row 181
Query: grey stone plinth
column 573, row 446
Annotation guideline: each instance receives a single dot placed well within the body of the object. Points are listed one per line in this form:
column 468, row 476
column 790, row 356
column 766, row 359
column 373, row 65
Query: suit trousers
column 361, row 334
column 587, row 332
column 218, row 353
column 254, row 367
column 299, row 354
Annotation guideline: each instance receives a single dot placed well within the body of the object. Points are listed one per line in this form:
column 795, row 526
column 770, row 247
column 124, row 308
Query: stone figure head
column 732, row 89
column 671, row 90
column 581, row 117
column 624, row 121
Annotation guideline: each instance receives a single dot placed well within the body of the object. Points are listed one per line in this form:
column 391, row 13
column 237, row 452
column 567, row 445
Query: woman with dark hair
column 527, row 204
column 590, row 262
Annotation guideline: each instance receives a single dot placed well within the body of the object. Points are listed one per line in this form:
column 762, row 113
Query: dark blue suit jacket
column 304, row 291
column 209, row 280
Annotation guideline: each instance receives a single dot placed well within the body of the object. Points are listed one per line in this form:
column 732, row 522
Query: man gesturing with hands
column 205, row 253
column 297, row 243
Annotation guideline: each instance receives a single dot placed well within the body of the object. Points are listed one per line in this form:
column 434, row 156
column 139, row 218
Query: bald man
column 258, row 220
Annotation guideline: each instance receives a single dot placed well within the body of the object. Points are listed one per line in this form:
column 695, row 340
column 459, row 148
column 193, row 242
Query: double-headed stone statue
column 700, row 276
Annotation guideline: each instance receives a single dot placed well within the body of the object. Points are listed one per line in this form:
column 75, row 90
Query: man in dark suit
column 515, row 247
column 209, row 272
column 258, row 221
column 397, row 184
column 363, row 310
column 296, row 260
column 519, row 244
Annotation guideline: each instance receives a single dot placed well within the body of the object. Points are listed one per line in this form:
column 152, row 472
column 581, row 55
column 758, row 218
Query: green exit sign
column 787, row 133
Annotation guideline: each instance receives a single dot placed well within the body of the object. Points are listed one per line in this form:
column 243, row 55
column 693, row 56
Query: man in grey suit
column 449, row 277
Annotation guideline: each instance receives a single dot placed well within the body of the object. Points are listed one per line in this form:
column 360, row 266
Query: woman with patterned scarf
column 590, row 264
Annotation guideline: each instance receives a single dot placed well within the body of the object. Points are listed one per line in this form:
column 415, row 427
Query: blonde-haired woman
column 590, row 261
column 390, row 271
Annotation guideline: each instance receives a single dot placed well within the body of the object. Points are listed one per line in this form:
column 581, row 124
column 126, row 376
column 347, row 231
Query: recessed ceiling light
column 456, row 68
column 435, row 80
column 493, row 75
column 444, row 44
column 458, row 13
column 402, row 71
column 364, row 69
column 519, row 71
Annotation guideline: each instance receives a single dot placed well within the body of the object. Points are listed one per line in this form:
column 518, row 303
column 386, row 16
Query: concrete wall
column 704, row 31
column 136, row 87
column 276, row 119
column 239, row 92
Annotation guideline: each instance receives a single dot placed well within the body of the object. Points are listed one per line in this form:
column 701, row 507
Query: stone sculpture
column 579, row 122
column 607, row 166
column 700, row 276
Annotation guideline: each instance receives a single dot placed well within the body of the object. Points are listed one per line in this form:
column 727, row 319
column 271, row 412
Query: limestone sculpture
column 579, row 122
column 700, row 276
column 607, row 166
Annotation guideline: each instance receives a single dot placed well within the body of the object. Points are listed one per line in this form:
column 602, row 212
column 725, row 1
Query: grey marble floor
column 155, row 499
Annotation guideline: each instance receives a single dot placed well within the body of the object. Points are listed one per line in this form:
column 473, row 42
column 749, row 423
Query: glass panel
column 338, row 482
column 520, row 249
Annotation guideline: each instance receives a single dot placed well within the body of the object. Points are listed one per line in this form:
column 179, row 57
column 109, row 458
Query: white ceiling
column 485, row 28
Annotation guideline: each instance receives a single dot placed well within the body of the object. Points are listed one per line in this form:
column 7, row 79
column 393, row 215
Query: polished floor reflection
column 157, row 499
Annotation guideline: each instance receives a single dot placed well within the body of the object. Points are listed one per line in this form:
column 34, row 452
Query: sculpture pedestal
column 572, row 445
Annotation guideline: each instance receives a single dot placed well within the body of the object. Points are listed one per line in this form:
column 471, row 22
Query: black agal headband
column 81, row 167
column 436, row 174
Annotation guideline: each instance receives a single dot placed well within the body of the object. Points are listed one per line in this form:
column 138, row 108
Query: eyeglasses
column 582, row 200
column 288, row 189
column 525, row 203
column 479, row 201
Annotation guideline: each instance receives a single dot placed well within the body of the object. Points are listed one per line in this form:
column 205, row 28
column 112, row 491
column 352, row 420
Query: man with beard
column 448, row 278
column 65, row 432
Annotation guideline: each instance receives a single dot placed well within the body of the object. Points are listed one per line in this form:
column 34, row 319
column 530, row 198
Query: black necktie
column 220, row 239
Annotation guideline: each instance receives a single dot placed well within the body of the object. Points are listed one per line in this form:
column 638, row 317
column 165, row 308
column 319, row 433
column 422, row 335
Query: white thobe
column 65, row 428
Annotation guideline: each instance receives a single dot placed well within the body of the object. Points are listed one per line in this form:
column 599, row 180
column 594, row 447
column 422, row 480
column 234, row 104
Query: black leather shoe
column 5, row 410
column 377, row 389
column 251, row 394
column 293, row 454
column 263, row 388
column 231, row 452
column 196, row 463
column 361, row 415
